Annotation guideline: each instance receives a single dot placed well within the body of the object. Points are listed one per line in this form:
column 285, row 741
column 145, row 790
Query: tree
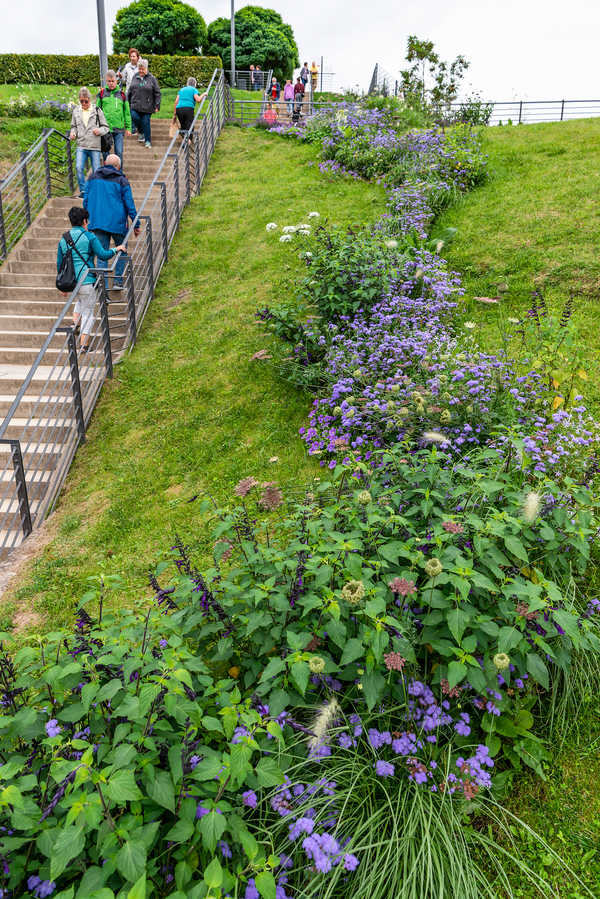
column 444, row 78
column 261, row 38
column 159, row 26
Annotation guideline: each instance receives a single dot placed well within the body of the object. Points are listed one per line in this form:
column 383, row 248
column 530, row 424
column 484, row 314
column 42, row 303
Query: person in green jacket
column 113, row 103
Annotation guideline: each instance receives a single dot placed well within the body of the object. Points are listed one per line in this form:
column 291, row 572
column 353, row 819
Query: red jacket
column 298, row 88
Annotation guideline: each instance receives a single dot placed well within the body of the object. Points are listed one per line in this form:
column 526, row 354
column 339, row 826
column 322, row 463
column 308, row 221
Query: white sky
column 529, row 49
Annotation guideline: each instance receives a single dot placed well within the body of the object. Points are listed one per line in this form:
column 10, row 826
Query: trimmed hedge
column 43, row 68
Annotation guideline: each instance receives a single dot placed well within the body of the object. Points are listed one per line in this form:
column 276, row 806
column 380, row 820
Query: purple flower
column 225, row 848
column 350, row 862
column 302, row 825
column 201, row 811
column 194, row 760
column 40, row 888
column 251, row 891
column 384, row 769
column 53, row 729
column 249, row 798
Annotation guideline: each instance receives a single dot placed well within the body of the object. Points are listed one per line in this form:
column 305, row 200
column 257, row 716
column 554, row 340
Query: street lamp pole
column 102, row 41
column 233, row 43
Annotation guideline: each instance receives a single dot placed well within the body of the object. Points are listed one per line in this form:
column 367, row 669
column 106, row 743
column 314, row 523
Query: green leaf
column 138, row 890
column 268, row 773
column 68, row 844
column 457, row 620
column 352, row 650
column 392, row 551
column 375, row 607
column 213, row 874
column 212, row 827
column 537, row 669
column 181, row 831
column 122, row 787
column 456, row 672
column 248, row 842
column 162, row 791
column 300, row 673
column 239, row 762
column 568, row 622
column 336, row 631
column 514, row 545
column 274, row 667
column 265, row 884
column 373, row 687
column 508, row 638
column 131, row 860
column 297, row 642
column 184, row 676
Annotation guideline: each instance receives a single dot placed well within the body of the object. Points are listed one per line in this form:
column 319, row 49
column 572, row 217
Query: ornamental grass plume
column 435, row 437
column 324, row 719
column 531, row 507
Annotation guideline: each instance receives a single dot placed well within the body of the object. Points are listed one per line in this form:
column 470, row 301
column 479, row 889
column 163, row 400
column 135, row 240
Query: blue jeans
column 118, row 137
column 104, row 238
column 141, row 121
column 80, row 160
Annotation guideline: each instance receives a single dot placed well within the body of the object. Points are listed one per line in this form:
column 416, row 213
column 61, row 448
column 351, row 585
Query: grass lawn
column 535, row 224
column 188, row 411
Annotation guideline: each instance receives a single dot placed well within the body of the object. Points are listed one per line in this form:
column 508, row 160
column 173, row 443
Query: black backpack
column 66, row 279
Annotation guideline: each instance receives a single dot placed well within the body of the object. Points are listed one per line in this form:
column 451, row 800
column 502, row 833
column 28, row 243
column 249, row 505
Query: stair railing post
column 47, row 168
column 175, row 158
column 70, row 165
column 197, row 161
column 25, row 182
column 2, row 231
column 20, row 484
column 75, row 382
column 186, row 152
column 105, row 328
column 149, row 254
column 131, row 303
column 163, row 218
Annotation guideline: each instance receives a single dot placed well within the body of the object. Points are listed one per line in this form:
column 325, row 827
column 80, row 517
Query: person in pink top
column 288, row 96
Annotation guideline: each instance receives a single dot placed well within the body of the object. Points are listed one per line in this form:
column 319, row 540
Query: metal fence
column 527, row 112
column 44, row 171
column 245, row 80
column 251, row 112
column 48, row 417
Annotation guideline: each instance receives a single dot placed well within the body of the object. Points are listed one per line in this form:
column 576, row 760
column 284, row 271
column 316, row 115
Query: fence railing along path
column 48, row 389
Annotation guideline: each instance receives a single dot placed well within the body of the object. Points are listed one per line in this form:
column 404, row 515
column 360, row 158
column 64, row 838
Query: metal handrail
column 31, row 153
column 57, row 414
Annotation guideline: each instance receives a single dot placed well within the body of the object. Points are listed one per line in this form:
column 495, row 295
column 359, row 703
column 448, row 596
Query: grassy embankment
column 536, row 225
column 213, row 416
column 189, row 411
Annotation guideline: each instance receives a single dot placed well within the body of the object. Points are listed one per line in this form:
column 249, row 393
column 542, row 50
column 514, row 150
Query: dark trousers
column 141, row 122
column 186, row 117
column 104, row 237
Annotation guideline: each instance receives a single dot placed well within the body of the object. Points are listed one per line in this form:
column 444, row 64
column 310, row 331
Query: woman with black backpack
column 77, row 250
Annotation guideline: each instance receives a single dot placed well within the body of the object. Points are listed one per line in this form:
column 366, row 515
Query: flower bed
column 334, row 706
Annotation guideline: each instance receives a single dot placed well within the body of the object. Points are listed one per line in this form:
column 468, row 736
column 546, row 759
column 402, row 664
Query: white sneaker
column 141, row 138
column 148, row 144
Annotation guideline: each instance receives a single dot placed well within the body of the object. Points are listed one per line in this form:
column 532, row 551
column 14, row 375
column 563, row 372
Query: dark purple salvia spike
column 297, row 588
column 162, row 596
column 59, row 793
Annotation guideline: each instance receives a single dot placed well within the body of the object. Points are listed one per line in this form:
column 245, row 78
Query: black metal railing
column 48, row 418
column 44, row 171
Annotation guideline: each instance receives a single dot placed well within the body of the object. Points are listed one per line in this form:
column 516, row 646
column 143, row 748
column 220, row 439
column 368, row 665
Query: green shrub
column 38, row 68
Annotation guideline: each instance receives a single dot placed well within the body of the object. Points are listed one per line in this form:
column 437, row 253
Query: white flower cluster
column 288, row 231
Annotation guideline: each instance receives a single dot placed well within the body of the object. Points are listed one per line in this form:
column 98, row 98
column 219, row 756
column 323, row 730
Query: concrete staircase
column 45, row 420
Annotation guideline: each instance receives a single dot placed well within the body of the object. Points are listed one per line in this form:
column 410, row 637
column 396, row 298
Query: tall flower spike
column 324, row 719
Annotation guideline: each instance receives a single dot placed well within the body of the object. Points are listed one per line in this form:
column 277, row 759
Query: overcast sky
column 530, row 49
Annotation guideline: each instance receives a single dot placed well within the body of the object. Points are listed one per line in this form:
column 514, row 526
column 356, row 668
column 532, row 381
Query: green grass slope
column 189, row 411
column 534, row 225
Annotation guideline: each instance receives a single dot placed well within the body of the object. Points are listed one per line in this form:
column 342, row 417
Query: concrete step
column 22, row 355
column 47, row 308
column 36, row 404
column 47, row 429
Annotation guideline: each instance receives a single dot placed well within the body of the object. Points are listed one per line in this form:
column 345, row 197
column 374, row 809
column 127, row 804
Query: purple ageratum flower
column 346, row 741
column 162, row 643
column 250, row 799
column 350, row 862
column 53, row 729
column 377, row 738
column 302, row 825
column 384, row 769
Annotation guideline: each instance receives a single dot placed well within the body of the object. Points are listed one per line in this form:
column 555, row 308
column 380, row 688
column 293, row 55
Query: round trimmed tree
column 168, row 27
column 261, row 38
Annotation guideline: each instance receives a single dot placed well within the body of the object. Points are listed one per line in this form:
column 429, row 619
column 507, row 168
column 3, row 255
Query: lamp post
column 102, row 41
column 232, row 42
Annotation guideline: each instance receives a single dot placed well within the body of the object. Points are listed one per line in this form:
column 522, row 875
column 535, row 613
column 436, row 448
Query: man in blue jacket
column 109, row 201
